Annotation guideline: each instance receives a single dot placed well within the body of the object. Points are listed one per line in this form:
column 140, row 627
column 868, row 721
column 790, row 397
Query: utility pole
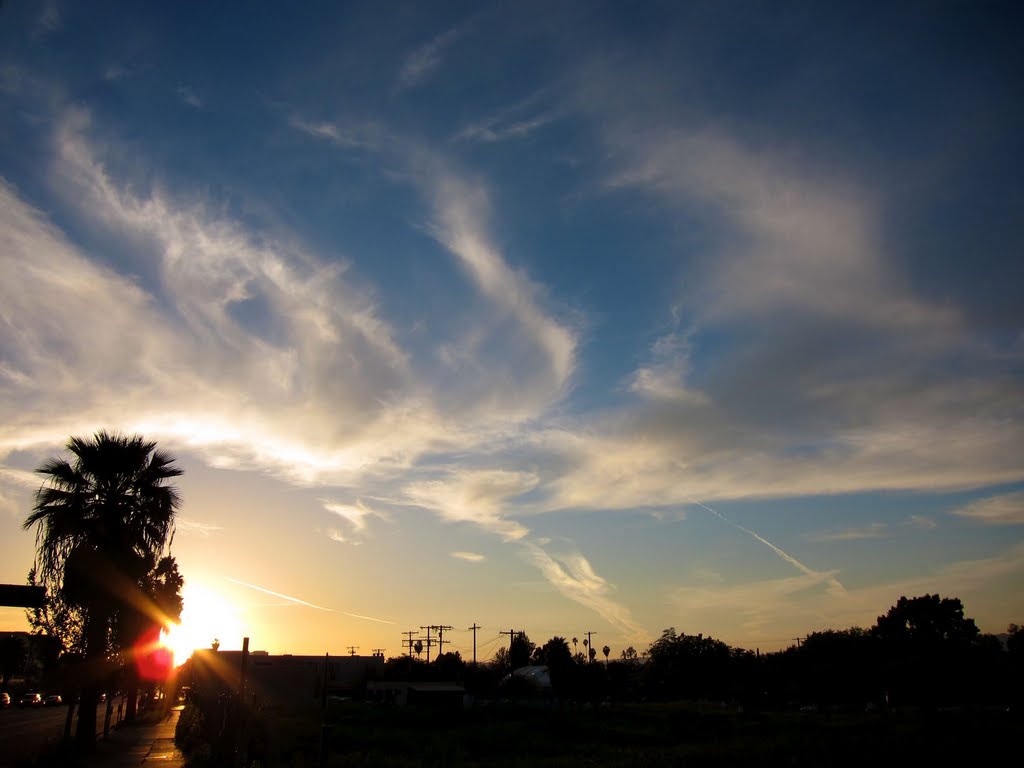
column 473, row 629
column 590, row 646
column 428, row 642
column 352, row 650
column 410, row 634
column 440, row 637
column 511, row 636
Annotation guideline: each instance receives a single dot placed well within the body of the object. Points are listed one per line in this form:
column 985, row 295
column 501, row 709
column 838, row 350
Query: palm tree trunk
column 96, row 650
column 132, row 693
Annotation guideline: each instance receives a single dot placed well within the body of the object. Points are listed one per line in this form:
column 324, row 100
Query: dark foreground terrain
column 626, row 735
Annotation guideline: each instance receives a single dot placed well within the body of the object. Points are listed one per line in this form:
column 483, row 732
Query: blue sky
column 554, row 316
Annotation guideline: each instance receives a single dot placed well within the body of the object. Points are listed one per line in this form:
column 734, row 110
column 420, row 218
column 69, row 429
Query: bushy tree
column 688, row 666
column 925, row 642
column 520, row 650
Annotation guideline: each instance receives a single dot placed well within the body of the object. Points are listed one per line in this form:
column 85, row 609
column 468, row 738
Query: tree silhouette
column 102, row 520
column 520, row 650
column 606, row 650
column 921, row 638
column 418, row 647
column 927, row 619
column 691, row 666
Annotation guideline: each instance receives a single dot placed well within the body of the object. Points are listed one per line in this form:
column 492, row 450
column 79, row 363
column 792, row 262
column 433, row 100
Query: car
column 5, row 699
column 53, row 700
column 30, row 700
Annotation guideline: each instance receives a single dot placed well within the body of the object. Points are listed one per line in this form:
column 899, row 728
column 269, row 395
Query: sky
column 556, row 316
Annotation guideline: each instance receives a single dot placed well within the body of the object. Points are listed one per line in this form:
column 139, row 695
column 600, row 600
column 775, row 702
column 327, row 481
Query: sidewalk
column 132, row 746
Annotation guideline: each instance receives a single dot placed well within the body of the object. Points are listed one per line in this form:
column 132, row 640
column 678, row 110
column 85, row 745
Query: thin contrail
column 297, row 601
column 369, row 618
column 832, row 580
column 278, row 594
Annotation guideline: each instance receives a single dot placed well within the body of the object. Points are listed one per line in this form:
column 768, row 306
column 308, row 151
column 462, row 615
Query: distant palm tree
column 101, row 521
column 606, row 650
column 574, row 651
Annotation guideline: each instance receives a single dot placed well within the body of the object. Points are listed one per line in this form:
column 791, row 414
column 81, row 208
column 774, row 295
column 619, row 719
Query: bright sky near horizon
column 547, row 316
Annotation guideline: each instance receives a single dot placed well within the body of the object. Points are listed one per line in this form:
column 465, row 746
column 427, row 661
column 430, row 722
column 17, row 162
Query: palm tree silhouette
column 102, row 520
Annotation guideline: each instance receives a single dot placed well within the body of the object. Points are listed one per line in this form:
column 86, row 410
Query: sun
column 206, row 616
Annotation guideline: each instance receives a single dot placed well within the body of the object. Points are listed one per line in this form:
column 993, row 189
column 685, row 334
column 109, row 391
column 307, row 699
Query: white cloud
column 366, row 136
column 475, row 496
column 420, row 63
column 469, row 557
column 517, row 358
column 664, row 377
column 572, row 575
column 237, row 344
column 516, row 121
column 49, row 20
column 1005, row 509
column 834, row 377
column 191, row 527
column 356, row 514
column 189, row 97
column 538, row 354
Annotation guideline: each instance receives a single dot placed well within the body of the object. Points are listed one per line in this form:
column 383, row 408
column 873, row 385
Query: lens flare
column 205, row 617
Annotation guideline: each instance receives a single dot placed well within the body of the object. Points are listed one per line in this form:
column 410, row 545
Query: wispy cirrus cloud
column 836, row 377
column 519, row 356
column 516, row 121
column 469, row 557
column 264, row 390
column 922, row 522
column 541, row 348
column 420, row 63
column 1004, row 509
column 568, row 571
column 355, row 514
column 188, row 96
column 192, row 527
column 475, row 496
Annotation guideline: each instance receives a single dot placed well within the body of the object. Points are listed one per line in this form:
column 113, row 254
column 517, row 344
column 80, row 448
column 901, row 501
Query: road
column 25, row 732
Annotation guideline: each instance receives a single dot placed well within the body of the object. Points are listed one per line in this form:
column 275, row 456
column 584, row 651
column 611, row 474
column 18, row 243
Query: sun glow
column 206, row 616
